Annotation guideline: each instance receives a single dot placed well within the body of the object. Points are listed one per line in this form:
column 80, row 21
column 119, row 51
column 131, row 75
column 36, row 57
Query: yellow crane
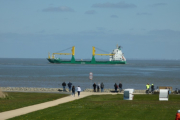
column 94, row 51
column 73, row 53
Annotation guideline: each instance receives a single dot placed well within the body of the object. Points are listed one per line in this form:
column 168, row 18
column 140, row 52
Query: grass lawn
column 19, row 99
column 108, row 107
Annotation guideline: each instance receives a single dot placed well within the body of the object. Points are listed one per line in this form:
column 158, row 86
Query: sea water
column 16, row 72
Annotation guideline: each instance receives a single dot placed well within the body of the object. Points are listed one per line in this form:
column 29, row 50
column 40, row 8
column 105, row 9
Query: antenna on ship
column 117, row 46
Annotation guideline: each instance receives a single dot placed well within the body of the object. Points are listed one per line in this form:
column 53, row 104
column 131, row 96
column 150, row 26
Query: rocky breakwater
column 112, row 90
column 30, row 89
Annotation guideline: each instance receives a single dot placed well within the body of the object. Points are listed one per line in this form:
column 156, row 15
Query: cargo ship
column 116, row 57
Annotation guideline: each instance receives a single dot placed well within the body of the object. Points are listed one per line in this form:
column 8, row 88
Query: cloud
column 143, row 13
column 165, row 32
column 165, row 35
column 101, row 28
column 58, row 9
column 92, row 32
column 114, row 5
column 164, row 42
column 158, row 4
column 42, row 31
column 90, row 12
column 114, row 16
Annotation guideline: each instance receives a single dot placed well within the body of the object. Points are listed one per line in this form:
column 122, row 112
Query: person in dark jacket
column 102, row 87
column 69, row 86
column 120, row 87
column 73, row 91
column 64, row 86
column 94, row 86
column 115, row 86
column 152, row 88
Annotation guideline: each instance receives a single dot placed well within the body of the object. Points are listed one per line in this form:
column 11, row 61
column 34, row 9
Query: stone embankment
column 112, row 90
column 32, row 89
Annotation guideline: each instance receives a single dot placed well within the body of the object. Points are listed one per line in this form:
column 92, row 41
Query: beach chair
column 163, row 95
column 128, row 94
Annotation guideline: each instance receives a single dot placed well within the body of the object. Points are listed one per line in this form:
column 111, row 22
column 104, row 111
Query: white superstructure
column 118, row 55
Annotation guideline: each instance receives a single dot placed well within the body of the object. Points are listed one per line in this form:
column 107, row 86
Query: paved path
column 25, row 110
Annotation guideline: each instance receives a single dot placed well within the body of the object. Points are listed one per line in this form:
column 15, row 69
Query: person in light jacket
column 78, row 90
column 98, row 86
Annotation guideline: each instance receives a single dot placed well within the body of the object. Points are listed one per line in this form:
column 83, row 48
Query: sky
column 146, row 29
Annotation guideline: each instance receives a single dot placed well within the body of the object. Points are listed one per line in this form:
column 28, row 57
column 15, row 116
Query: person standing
column 94, row 86
column 152, row 88
column 115, row 86
column 69, row 85
column 78, row 90
column 120, row 86
column 64, row 86
column 73, row 91
column 177, row 115
column 147, row 88
column 169, row 90
column 102, row 87
column 98, row 86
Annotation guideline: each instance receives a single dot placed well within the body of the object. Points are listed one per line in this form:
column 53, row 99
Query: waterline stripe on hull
column 85, row 62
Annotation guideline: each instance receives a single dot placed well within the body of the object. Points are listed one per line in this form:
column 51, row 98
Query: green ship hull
column 93, row 61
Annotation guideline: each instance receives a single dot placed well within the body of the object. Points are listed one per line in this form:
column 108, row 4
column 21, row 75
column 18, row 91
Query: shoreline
column 57, row 90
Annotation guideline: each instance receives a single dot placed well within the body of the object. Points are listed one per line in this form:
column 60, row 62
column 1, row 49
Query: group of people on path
column 118, row 86
column 64, row 86
column 98, row 86
column 71, row 89
column 149, row 88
